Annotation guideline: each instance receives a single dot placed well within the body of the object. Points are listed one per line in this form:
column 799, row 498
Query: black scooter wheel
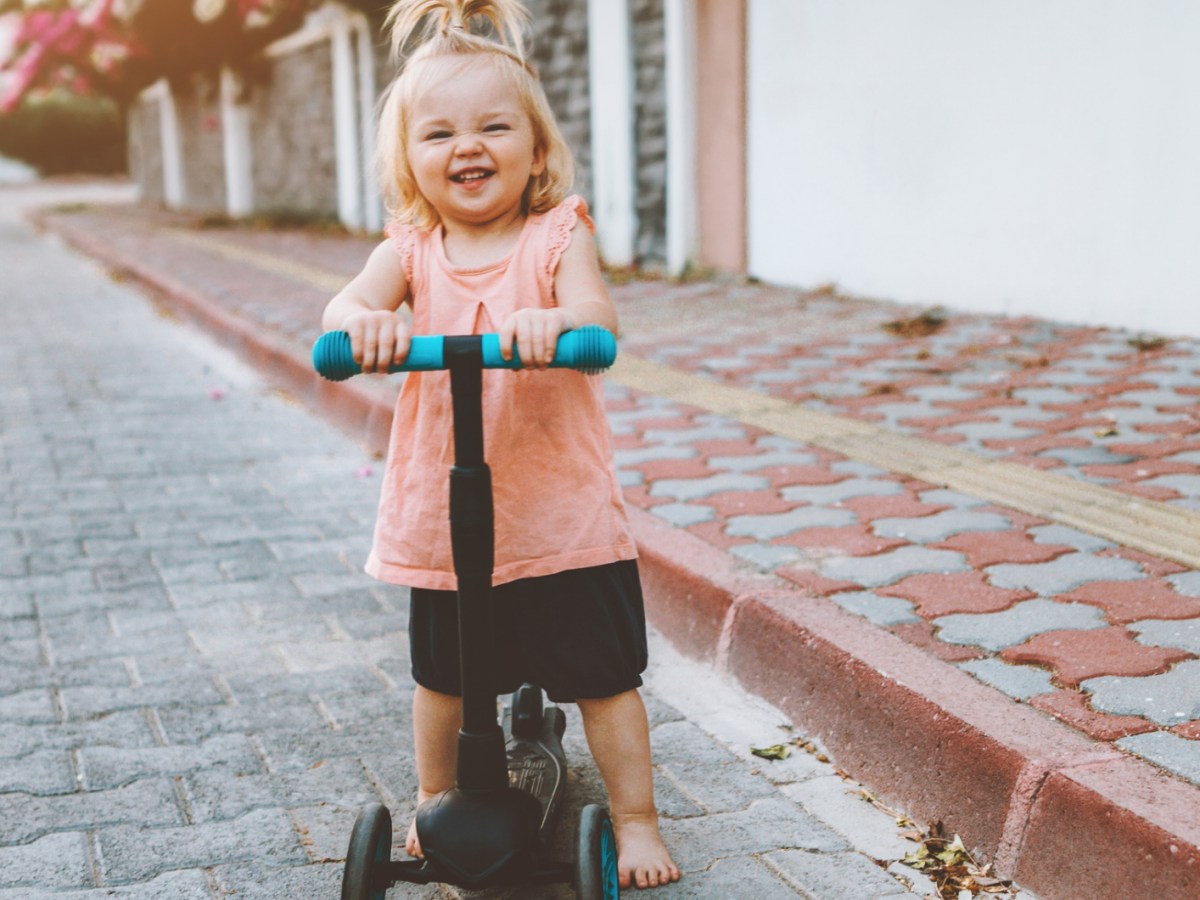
column 370, row 850
column 596, row 859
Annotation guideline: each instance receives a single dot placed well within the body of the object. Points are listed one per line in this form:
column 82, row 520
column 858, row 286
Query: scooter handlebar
column 590, row 349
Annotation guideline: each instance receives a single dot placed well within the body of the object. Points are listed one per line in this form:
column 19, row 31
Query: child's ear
column 539, row 162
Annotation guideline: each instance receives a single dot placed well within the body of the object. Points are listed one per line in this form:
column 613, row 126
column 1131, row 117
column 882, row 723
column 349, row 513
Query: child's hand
column 535, row 333
column 378, row 338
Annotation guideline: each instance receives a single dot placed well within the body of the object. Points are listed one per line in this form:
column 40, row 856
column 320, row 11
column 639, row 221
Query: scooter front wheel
column 596, row 857
column 369, row 853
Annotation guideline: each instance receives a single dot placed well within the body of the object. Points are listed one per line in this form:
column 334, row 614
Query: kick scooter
column 494, row 826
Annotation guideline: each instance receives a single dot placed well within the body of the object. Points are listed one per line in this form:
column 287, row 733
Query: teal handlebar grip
column 590, row 349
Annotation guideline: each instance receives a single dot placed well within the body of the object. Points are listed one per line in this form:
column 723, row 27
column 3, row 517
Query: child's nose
column 468, row 144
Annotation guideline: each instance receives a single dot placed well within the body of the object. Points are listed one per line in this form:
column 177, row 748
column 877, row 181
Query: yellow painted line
column 1169, row 532
column 318, row 277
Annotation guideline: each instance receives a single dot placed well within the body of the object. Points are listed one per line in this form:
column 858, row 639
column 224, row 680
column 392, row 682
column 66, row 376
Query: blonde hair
column 436, row 38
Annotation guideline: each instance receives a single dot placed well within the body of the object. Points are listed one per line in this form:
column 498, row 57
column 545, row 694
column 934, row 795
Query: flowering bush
column 117, row 47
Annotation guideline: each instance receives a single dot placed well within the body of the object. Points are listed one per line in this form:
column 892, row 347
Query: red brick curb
column 1066, row 816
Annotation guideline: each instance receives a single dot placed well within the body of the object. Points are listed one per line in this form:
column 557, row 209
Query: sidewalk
column 966, row 559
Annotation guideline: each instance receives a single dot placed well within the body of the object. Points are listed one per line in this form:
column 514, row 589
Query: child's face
column 471, row 147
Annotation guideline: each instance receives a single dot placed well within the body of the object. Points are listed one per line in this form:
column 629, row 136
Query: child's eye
column 437, row 136
column 497, row 126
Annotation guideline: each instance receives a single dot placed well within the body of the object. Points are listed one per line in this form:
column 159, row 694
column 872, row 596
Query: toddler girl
column 483, row 238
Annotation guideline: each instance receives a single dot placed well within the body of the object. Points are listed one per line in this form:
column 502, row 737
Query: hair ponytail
column 458, row 26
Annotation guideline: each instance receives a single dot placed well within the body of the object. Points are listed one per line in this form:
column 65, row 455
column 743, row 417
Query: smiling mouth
column 471, row 175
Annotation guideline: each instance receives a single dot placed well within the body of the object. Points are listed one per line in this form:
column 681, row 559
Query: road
column 198, row 686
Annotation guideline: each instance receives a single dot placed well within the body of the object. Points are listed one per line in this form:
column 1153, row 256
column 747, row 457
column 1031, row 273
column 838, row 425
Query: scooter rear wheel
column 596, row 859
column 370, row 850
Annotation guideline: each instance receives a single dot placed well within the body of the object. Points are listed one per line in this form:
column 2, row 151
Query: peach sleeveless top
column 546, row 438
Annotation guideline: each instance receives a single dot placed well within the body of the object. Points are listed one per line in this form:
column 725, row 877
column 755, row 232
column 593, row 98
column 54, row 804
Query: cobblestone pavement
column 197, row 684
column 1066, row 579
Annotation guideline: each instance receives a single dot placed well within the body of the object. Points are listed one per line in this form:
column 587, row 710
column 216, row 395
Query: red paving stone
column 897, row 506
column 987, row 548
column 749, row 503
column 937, row 594
column 1189, row 730
column 1077, row 655
column 813, row 582
column 920, row 634
column 1151, row 565
column 850, row 540
column 1139, row 469
column 1072, row 708
column 1146, row 491
column 714, row 533
column 1131, row 601
column 655, row 469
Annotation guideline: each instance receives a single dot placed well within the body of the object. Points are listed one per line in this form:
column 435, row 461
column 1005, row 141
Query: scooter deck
column 538, row 765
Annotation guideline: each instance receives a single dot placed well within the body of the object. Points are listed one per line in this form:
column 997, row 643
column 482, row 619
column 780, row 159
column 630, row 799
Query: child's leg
column 437, row 719
column 619, row 737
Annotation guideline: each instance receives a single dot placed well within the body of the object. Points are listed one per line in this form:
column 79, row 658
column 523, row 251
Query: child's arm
column 369, row 309
column 582, row 299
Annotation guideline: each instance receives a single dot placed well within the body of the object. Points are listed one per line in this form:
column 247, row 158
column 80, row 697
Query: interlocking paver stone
column 775, row 525
column 766, row 556
column 877, row 608
column 1066, row 536
column 995, row 631
column 685, row 489
column 939, row 526
column 1019, row 682
column 54, row 861
column 1057, row 576
column 684, row 514
column 888, row 568
column 1167, row 699
column 1173, row 753
column 840, row 491
column 1184, row 633
column 1186, row 583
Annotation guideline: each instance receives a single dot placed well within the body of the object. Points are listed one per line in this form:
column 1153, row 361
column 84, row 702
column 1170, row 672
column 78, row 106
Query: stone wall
column 198, row 105
column 650, row 131
column 293, row 147
column 560, row 53
column 292, row 139
column 145, row 150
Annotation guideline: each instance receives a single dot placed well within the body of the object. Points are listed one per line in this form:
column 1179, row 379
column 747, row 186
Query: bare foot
column 642, row 857
column 411, row 844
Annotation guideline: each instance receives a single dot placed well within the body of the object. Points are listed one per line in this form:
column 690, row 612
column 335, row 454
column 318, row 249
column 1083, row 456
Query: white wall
column 1018, row 156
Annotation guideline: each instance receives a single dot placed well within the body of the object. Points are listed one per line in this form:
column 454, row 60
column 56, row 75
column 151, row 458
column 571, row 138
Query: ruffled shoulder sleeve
column 560, row 222
column 403, row 239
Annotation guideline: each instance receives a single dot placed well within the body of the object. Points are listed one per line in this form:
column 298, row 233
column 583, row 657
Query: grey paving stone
column 137, row 854
column 978, row 432
column 1186, row 583
column 1065, row 573
column 754, row 462
column 189, row 884
column 684, row 489
column 24, row 817
column 722, row 431
column 1190, row 457
column 259, row 881
column 28, row 707
column 939, row 526
column 635, row 457
column 1086, row 456
column 834, row 874
column 883, row 611
column 1066, row 536
column 1040, row 396
column 110, row 767
column 761, row 827
column 840, row 491
column 54, row 861
column 947, row 497
column 767, row 556
column 41, row 772
column 844, row 807
column 1018, row 623
column 888, row 568
column 684, row 514
column 1167, row 699
column 1170, row 751
column 773, row 525
column 1188, row 485
column 1181, row 633
column 1019, row 682
column 692, row 758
